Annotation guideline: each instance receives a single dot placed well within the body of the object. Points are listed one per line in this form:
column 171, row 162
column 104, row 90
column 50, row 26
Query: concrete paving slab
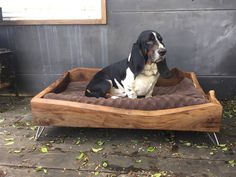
column 121, row 152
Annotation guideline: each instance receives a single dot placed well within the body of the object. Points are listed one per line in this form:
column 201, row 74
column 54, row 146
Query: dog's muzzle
column 162, row 51
column 159, row 55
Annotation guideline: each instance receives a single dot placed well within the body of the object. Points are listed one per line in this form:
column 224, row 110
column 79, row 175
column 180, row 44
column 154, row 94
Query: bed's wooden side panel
column 177, row 76
column 193, row 77
column 46, row 112
column 86, row 74
column 212, row 97
column 63, row 113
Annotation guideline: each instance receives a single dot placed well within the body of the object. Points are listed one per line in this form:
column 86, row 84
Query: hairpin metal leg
column 215, row 139
column 39, row 132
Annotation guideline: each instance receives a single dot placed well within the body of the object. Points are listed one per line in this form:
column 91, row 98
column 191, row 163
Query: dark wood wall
column 199, row 36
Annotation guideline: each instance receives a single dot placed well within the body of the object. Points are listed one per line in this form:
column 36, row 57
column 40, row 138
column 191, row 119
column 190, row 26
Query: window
column 23, row 12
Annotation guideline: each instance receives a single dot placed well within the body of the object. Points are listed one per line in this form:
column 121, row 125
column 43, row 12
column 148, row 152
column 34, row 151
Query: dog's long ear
column 163, row 69
column 136, row 60
column 145, row 41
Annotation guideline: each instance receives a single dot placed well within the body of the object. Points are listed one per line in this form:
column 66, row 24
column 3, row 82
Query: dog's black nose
column 162, row 51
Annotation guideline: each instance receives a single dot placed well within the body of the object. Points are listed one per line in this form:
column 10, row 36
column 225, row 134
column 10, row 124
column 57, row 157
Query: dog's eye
column 159, row 38
column 149, row 43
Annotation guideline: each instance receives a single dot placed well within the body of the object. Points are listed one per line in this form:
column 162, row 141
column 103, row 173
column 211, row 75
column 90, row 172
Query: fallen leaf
column 222, row 145
column 97, row 167
column 2, row 120
column 96, row 173
column 96, row 149
column 225, row 149
column 38, row 168
column 187, row 144
column 44, row 149
column 80, row 156
column 156, row 175
column 138, row 161
column 151, row 149
column 28, row 123
column 214, row 149
column 78, row 141
column 17, row 151
column 9, row 139
column 100, row 142
column 31, row 138
column 134, row 141
column 85, row 160
column 33, row 128
column 200, row 147
column 9, row 143
column 104, row 164
column 232, row 163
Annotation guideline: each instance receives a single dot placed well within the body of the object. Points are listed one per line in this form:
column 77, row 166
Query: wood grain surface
column 48, row 112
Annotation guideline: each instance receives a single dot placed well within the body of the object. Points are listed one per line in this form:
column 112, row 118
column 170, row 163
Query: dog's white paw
column 132, row 95
column 148, row 96
column 114, row 97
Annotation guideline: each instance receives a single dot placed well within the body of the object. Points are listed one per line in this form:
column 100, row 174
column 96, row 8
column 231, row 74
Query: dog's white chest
column 141, row 85
column 146, row 80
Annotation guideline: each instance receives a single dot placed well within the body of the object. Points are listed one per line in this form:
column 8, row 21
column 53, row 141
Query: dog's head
column 151, row 46
column 148, row 49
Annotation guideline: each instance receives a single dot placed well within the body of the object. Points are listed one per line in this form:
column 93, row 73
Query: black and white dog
column 135, row 76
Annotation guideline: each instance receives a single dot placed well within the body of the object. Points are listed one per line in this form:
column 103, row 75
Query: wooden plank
column 86, row 74
column 177, row 76
column 103, row 20
column 203, row 117
column 104, row 12
column 213, row 99
column 53, row 22
column 193, row 77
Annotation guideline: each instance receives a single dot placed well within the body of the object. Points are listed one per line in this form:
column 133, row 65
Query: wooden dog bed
column 55, row 107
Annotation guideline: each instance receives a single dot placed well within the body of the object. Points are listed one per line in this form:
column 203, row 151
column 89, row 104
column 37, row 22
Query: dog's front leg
column 128, row 84
column 130, row 91
column 150, row 91
column 149, row 94
column 129, row 88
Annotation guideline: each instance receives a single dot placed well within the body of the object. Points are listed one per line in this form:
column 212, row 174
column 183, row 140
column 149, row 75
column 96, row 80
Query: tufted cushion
column 182, row 94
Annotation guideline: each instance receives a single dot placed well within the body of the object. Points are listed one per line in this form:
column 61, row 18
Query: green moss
column 229, row 108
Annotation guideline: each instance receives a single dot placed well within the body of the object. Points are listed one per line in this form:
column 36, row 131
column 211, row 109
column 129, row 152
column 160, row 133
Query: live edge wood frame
column 49, row 112
column 102, row 20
